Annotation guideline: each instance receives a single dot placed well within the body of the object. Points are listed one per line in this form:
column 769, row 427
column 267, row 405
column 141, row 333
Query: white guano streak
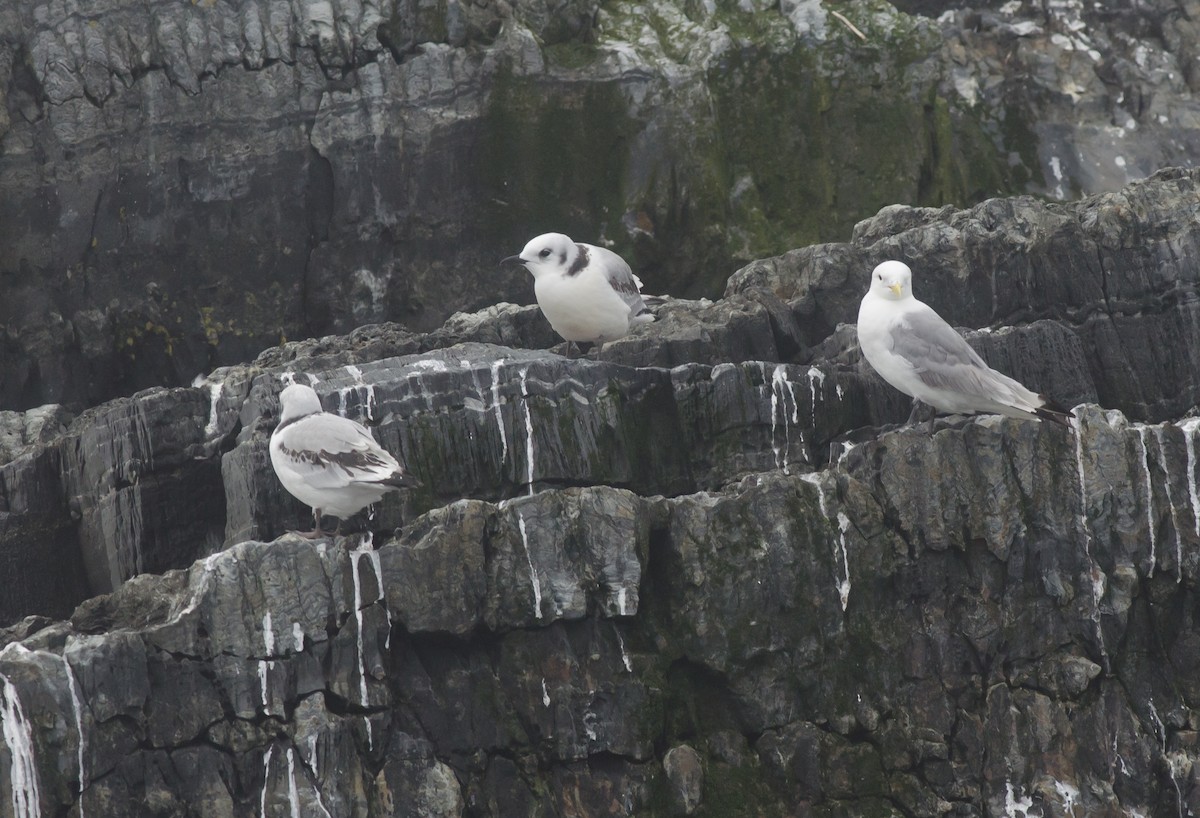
column 266, row 664
column 312, row 765
column 622, row 600
column 262, row 799
column 214, row 398
column 1069, row 794
column 367, row 391
column 1162, row 456
column 496, row 409
column 533, row 576
column 816, row 381
column 843, row 585
column 1095, row 575
column 528, row 429
column 1170, row 504
column 840, row 550
column 364, row 698
column 625, row 660
column 1141, row 430
column 1189, row 440
column 781, row 390
column 77, row 709
column 377, row 565
column 293, row 793
column 1013, row 805
column 18, row 736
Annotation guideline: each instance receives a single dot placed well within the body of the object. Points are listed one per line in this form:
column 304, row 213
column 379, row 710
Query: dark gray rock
column 685, row 771
column 399, row 149
column 672, row 577
column 1094, row 86
column 151, row 482
column 127, row 466
column 875, row 631
column 495, row 423
column 413, row 780
column 1115, row 269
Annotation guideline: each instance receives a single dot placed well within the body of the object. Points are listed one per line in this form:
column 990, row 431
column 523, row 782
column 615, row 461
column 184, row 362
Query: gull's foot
column 575, row 350
column 956, row 421
column 919, row 409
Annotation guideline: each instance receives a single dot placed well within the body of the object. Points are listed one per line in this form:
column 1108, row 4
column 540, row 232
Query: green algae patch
column 740, row 789
column 813, row 141
column 553, row 157
column 741, row 139
column 771, row 140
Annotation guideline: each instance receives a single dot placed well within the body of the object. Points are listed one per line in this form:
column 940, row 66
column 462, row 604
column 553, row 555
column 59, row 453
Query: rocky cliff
column 705, row 572
column 185, row 185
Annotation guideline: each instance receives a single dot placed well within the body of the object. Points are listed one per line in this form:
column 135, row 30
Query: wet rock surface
column 703, row 571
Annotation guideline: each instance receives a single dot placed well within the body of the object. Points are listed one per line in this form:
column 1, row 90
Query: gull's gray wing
column 330, row 451
column 620, row 277
column 942, row 358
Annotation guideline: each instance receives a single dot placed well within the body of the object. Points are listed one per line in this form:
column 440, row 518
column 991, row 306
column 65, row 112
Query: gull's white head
column 550, row 253
column 297, row 401
column 892, row 280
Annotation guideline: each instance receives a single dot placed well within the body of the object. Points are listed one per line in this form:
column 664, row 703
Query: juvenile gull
column 914, row 350
column 587, row 293
column 329, row 462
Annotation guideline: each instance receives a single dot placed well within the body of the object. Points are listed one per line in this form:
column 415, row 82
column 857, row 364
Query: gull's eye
column 545, row 253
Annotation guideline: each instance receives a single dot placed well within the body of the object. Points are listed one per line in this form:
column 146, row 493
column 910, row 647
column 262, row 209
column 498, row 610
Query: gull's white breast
column 584, row 307
column 876, row 317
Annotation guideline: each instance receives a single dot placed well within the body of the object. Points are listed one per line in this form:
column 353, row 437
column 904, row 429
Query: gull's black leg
column 915, row 414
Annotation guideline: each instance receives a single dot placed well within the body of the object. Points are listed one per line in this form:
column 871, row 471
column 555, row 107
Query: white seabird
column 587, row 293
column 329, row 462
column 914, row 350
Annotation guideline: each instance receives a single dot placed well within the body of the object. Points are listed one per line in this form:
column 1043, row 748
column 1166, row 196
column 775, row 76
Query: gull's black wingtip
column 1051, row 411
column 400, row 480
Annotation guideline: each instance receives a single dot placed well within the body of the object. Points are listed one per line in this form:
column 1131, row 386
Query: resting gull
column 329, row 462
column 587, row 293
column 914, row 350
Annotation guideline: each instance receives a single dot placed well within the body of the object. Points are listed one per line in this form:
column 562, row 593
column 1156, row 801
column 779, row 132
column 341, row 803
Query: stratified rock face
column 868, row 633
column 697, row 574
column 186, row 185
column 1107, row 92
column 1117, row 273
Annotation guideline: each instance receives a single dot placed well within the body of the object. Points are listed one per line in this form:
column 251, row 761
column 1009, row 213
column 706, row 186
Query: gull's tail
column 643, row 309
column 649, row 312
column 1051, row 411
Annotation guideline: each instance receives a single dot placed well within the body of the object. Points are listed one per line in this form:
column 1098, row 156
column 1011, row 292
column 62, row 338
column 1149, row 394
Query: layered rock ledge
column 185, row 185
column 705, row 571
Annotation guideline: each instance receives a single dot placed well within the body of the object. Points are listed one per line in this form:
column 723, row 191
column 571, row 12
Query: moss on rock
column 749, row 140
column 553, row 157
